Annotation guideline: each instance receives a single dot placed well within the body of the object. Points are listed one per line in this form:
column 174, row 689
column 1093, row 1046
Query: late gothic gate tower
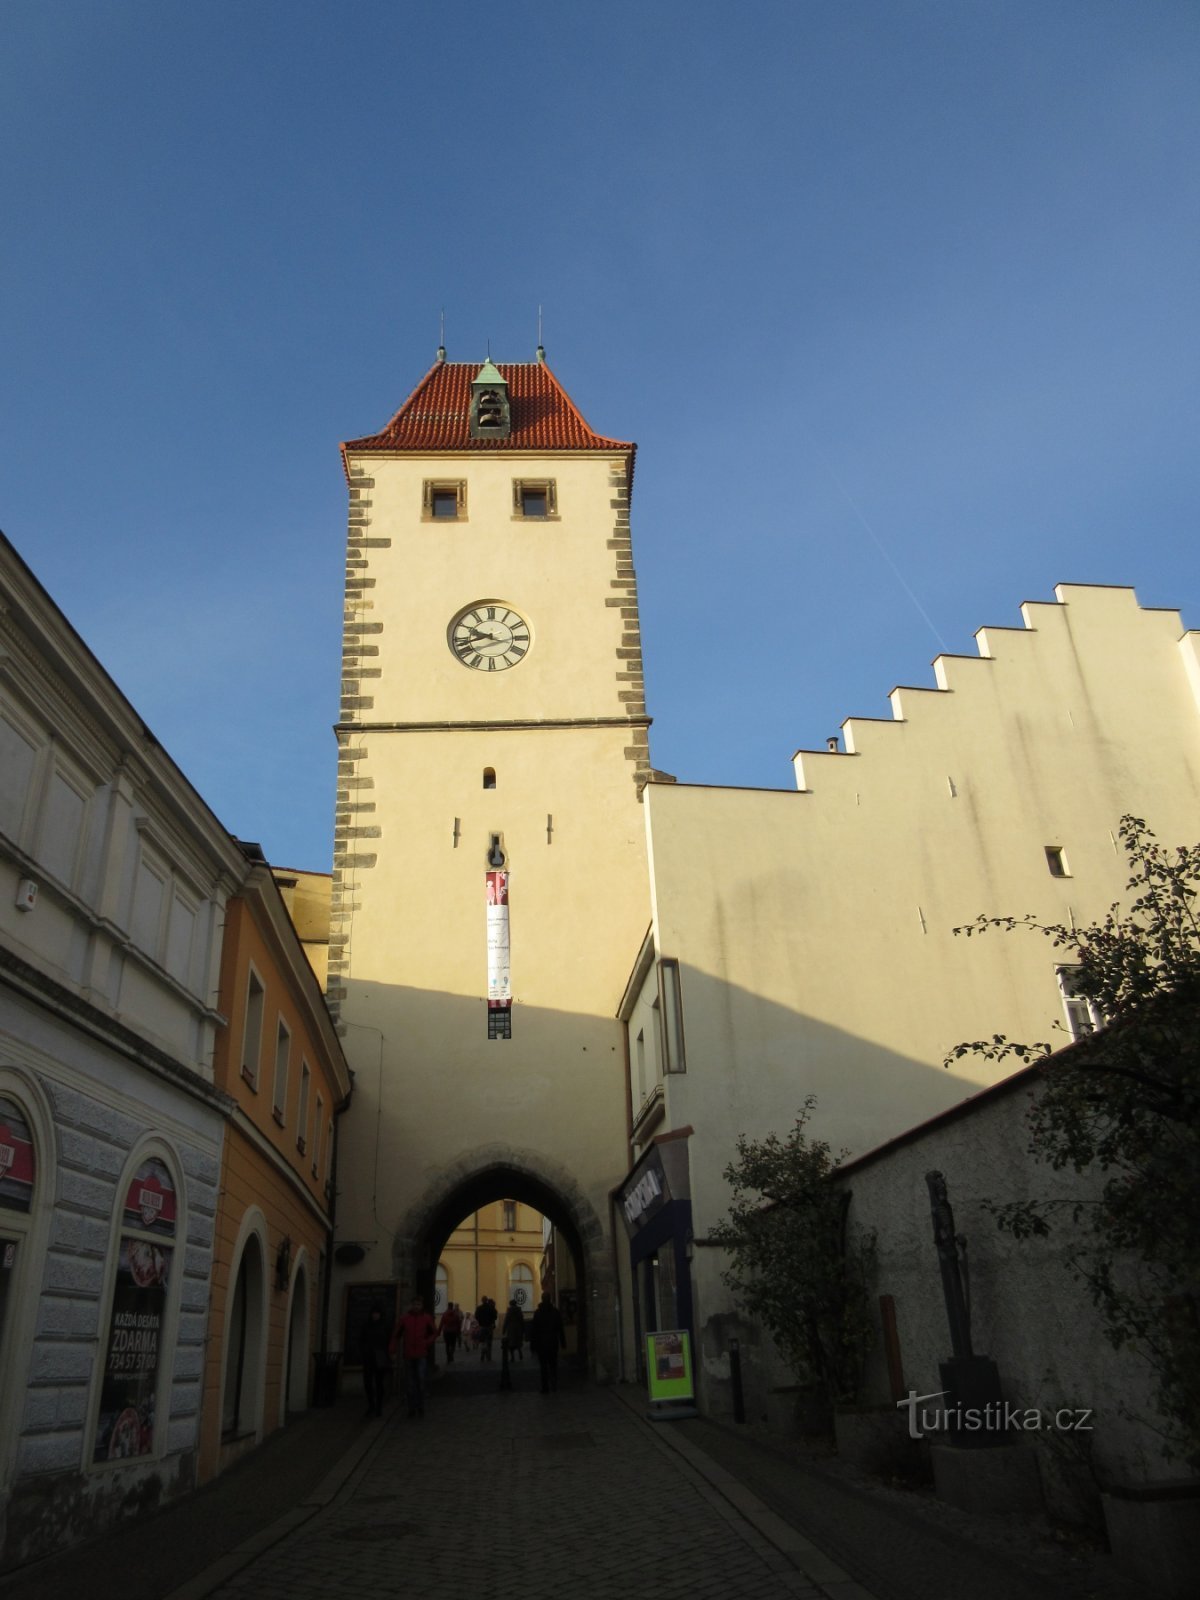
column 489, row 873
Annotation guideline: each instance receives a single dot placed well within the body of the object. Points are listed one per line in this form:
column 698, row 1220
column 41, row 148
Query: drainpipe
column 327, row 1285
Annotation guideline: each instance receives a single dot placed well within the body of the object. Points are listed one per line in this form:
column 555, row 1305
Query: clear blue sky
column 898, row 299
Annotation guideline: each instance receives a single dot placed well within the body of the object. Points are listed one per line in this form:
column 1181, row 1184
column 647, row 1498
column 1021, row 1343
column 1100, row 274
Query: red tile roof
column 435, row 415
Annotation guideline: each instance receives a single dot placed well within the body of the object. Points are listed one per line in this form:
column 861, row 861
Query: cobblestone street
column 572, row 1493
column 524, row 1493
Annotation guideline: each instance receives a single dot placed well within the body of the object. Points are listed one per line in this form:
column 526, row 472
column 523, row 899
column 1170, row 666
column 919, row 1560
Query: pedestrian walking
column 376, row 1361
column 414, row 1336
column 470, row 1331
column 451, row 1329
column 513, row 1332
column 546, row 1338
column 487, row 1316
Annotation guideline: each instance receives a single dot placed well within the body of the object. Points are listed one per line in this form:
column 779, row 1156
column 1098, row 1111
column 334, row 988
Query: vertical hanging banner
column 499, row 972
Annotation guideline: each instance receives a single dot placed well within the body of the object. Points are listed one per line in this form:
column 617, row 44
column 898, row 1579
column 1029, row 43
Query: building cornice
column 515, row 725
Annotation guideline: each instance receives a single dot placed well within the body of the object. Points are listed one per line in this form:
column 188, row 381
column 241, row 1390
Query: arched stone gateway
column 495, row 1172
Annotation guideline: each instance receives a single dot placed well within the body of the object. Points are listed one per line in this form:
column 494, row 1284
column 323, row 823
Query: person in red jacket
column 452, row 1322
column 414, row 1336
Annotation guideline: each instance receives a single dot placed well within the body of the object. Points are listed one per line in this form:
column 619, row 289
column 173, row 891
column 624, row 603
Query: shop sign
column 669, row 1365
column 643, row 1194
column 133, row 1351
column 150, row 1202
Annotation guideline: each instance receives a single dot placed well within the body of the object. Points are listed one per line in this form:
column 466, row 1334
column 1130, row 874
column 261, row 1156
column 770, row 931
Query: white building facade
column 113, row 881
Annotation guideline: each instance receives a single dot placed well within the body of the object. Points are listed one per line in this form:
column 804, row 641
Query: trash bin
column 325, row 1376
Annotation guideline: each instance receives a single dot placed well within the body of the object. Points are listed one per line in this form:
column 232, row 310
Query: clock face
column 489, row 636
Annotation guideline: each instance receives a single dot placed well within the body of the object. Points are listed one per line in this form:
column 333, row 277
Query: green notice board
column 669, row 1365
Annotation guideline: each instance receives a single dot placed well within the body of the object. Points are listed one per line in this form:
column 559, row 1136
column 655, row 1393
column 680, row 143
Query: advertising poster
column 669, row 1365
column 499, row 973
column 132, row 1351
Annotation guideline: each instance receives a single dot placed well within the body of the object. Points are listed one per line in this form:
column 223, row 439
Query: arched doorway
column 241, row 1401
column 486, row 1176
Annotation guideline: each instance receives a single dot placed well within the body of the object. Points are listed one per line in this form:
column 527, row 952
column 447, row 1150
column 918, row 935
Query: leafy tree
column 792, row 1269
column 1125, row 1102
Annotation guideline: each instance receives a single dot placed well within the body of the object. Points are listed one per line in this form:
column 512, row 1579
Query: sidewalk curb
column 236, row 1560
column 807, row 1557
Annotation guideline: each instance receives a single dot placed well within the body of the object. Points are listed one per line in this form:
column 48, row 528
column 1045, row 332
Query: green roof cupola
column 491, row 413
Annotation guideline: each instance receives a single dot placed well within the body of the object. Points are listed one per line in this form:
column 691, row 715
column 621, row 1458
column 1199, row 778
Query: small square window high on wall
column 536, row 500
column 444, row 501
column 1056, row 860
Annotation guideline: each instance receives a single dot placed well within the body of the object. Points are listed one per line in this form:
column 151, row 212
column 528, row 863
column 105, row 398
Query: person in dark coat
column 546, row 1339
column 513, row 1331
column 486, row 1315
column 376, row 1362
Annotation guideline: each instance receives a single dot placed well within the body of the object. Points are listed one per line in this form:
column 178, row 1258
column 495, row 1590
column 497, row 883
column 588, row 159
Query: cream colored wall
column 552, row 572
column 432, row 1093
column 480, row 1254
column 815, row 930
column 306, row 896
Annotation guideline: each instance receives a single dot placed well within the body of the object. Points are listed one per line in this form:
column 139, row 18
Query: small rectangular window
column 670, row 994
column 283, row 1050
column 318, row 1129
column 1056, row 860
column 535, row 499
column 499, row 1022
column 510, row 1216
column 252, row 1031
column 444, row 501
column 302, row 1111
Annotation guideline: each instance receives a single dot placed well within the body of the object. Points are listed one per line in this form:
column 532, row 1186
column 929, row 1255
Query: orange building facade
column 280, row 1061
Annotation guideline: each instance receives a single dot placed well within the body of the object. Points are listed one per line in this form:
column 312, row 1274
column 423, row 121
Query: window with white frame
column 252, row 1028
column 318, row 1130
column 1082, row 1015
column 283, row 1050
column 302, row 1109
column 670, row 994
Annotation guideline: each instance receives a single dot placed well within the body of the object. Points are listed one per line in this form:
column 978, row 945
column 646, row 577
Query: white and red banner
column 499, row 971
